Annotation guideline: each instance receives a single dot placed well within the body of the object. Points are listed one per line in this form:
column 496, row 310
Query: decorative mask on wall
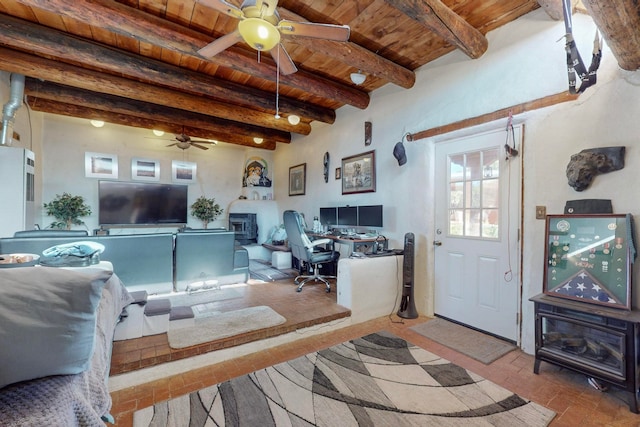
column 325, row 163
column 588, row 163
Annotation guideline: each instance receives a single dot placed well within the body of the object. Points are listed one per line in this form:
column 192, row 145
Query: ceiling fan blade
column 201, row 141
column 171, row 145
column 319, row 31
column 223, row 6
column 202, row 147
column 284, row 61
column 220, row 44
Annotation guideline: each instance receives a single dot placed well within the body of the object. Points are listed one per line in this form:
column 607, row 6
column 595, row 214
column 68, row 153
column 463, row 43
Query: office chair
column 307, row 251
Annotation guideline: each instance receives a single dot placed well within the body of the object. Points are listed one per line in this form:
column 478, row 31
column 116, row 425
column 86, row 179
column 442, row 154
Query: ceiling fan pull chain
column 277, row 116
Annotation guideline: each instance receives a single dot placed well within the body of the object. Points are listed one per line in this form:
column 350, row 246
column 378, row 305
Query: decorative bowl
column 18, row 260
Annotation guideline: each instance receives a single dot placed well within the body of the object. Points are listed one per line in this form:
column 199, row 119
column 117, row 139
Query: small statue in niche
column 256, row 173
column 588, row 163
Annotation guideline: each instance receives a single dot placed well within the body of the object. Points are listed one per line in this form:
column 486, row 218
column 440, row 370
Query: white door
column 477, row 217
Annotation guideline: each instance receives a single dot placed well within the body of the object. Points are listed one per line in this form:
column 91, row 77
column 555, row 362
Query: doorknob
column 437, row 243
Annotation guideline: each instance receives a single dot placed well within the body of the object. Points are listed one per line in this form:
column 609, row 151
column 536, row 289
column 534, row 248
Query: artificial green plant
column 206, row 210
column 67, row 210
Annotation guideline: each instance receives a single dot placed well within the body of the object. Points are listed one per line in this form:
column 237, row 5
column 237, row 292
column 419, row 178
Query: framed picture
column 183, row 171
column 297, row 179
column 588, row 259
column 359, row 173
column 99, row 165
column 145, row 169
column 338, row 173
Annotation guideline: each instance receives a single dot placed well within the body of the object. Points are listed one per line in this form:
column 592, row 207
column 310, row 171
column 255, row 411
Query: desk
column 278, row 248
column 355, row 244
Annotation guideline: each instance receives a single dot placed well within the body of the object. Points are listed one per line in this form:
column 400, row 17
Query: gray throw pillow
column 47, row 321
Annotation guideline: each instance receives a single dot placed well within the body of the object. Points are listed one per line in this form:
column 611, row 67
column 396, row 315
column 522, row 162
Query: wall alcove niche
column 266, row 217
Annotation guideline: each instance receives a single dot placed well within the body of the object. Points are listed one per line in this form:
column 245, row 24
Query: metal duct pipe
column 10, row 108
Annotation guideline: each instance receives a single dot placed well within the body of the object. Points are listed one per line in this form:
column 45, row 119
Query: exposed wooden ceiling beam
column 57, row 72
column 127, row 21
column 503, row 114
column 437, row 17
column 79, row 111
column 51, row 43
column 618, row 21
column 553, row 8
column 226, row 130
column 354, row 55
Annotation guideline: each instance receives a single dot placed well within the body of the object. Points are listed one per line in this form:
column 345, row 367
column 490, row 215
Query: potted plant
column 206, row 210
column 67, row 209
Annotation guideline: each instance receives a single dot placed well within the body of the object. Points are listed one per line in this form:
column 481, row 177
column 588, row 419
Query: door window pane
column 490, row 223
column 456, row 168
column 456, row 222
column 491, row 164
column 490, row 193
column 456, row 195
column 472, row 223
column 474, row 194
column 474, row 165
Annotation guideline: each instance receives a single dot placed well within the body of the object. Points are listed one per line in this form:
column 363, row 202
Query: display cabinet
column 588, row 259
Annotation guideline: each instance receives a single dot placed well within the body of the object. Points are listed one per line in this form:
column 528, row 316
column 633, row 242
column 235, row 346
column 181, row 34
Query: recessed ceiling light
column 258, row 140
column 358, row 78
column 294, row 119
column 157, row 132
column 97, row 123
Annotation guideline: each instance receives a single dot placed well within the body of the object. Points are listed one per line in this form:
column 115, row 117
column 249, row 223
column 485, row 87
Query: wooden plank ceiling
column 136, row 62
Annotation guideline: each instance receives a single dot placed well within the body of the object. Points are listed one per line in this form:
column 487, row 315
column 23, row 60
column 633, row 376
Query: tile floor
column 568, row 394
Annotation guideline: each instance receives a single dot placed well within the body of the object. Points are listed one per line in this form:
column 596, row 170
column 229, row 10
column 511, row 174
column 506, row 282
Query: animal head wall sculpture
column 588, row 163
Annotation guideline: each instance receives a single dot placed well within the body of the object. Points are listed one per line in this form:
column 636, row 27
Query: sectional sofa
column 156, row 263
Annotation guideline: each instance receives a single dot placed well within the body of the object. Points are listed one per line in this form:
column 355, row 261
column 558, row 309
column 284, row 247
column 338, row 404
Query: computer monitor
column 328, row 216
column 348, row 215
column 370, row 216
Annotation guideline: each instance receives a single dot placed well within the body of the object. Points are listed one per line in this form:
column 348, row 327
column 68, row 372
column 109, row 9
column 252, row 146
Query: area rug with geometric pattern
column 375, row 380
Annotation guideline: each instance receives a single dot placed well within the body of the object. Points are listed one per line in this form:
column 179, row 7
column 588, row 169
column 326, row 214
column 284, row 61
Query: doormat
column 377, row 380
column 224, row 325
column 262, row 270
column 477, row 345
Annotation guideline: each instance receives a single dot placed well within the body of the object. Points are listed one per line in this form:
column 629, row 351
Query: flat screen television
column 328, row 216
column 348, row 215
column 370, row 216
column 135, row 203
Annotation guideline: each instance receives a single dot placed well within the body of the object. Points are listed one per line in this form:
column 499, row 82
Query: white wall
column 66, row 140
column 524, row 61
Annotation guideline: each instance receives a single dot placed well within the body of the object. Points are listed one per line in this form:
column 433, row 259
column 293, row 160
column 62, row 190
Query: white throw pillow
column 47, row 321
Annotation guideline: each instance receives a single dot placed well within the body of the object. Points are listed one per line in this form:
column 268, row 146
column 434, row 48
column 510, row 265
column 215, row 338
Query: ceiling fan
column 184, row 141
column 261, row 28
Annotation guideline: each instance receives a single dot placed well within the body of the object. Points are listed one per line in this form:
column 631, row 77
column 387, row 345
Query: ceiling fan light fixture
column 294, row 119
column 97, row 123
column 157, row 132
column 258, row 140
column 259, row 33
column 358, row 78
